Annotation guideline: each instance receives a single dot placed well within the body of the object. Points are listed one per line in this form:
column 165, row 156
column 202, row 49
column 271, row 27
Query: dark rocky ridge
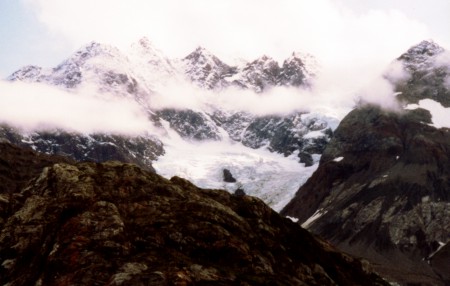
column 190, row 124
column 388, row 199
column 139, row 150
column 116, row 224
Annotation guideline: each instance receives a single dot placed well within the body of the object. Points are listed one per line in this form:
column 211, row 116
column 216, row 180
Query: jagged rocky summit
column 382, row 189
column 427, row 65
column 117, row 224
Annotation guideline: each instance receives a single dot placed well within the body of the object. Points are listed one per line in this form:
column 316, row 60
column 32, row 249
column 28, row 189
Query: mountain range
column 143, row 75
column 143, row 71
column 380, row 191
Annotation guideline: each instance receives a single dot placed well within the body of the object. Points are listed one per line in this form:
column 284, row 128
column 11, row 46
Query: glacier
column 267, row 175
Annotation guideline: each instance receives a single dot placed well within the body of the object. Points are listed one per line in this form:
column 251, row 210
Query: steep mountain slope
column 117, row 224
column 382, row 187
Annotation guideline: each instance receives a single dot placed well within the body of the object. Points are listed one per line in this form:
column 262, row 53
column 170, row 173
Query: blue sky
column 24, row 39
column 44, row 32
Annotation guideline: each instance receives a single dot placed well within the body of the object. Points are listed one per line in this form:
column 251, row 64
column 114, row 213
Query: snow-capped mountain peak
column 152, row 64
column 94, row 57
column 428, row 47
column 145, row 43
column 258, row 74
column 265, row 72
column 27, row 74
column 308, row 61
column 94, row 49
column 427, row 67
column 201, row 55
column 421, row 54
column 263, row 62
column 69, row 73
column 145, row 51
column 206, row 70
column 298, row 69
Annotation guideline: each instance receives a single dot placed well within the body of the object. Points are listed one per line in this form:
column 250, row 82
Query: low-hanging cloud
column 34, row 106
column 353, row 48
column 332, row 93
column 381, row 90
column 278, row 100
column 442, row 60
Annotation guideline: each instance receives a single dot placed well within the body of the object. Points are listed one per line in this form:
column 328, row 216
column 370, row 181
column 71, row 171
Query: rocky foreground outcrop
column 117, row 224
column 382, row 192
column 17, row 167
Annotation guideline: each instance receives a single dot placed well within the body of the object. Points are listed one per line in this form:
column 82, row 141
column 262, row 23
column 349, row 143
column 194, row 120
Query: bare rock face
column 429, row 69
column 382, row 192
column 206, row 70
column 139, row 150
column 228, row 177
column 117, row 224
column 440, row 261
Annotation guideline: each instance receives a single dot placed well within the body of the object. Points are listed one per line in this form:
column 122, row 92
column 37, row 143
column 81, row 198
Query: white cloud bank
column 353, row 48
column 323, row 96
column 33, row 106
column 328, row 29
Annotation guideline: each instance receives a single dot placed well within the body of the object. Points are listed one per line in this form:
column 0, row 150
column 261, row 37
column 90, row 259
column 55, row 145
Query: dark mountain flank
column 382, row 189
column 97, row 147
column 388, row 198
column 117, row 224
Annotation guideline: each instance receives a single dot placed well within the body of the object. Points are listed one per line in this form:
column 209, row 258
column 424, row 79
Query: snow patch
column 294, row 219
column 440, row 116
column 425, row 199
column 314, row 217
column 441, row 245
column 314, row 134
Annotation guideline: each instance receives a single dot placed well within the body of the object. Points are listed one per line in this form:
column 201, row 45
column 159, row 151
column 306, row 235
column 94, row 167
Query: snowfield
column 269, row 176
